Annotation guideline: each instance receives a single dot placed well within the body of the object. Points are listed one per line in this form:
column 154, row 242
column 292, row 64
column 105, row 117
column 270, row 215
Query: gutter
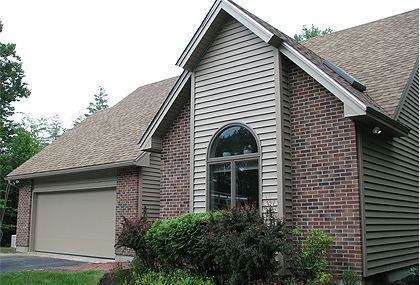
column 70, row 170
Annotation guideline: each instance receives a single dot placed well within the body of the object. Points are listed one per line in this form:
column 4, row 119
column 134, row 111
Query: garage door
column 76, row 222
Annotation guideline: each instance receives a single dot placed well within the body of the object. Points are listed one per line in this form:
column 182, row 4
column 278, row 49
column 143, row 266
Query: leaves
column 311, row 32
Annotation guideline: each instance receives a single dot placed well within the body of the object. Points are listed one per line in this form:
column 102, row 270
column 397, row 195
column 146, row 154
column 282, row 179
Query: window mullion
column 233, row 184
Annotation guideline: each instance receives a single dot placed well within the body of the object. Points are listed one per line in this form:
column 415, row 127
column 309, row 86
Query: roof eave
column 393, row 127
column 154, row 124
column 352, row 105
column 71, row 170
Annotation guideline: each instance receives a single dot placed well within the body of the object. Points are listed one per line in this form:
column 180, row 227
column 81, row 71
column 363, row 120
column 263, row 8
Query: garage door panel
column 77, row 222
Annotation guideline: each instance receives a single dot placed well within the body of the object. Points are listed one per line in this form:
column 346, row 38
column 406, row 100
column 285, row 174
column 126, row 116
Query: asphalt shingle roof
column 380, row 54
column 107, row 136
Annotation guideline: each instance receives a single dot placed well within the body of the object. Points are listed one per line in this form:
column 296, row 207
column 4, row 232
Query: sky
column 70, row 47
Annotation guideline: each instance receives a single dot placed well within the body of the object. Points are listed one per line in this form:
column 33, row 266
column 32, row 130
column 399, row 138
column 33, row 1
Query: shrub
column 176, row 277
column 351, row 278
column 310, row 260
column 242, row 246
column 177, row 242
column 133, row 236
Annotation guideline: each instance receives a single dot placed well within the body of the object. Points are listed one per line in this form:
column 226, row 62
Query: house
column 324, row 131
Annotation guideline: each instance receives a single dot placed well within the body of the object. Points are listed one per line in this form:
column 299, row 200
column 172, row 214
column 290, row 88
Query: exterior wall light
column 376, row 131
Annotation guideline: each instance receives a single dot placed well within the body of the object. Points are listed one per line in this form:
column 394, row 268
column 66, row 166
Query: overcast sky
column 69, row 48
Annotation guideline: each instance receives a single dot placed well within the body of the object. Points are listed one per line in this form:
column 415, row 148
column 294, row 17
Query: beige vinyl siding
column 391, row 192
column 234, row 82
column 150, row 186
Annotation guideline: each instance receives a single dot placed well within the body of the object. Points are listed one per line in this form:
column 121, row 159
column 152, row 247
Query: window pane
column 247, row 183
column 220, row 186
column 235, row 140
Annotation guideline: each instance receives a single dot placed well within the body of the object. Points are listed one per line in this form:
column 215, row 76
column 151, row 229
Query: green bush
column 177, row 242
column 351, row 278
column 310, row 260
column 176, row 277
column 236, row 246
column 242, row 246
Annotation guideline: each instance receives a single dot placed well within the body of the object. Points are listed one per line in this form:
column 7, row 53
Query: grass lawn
column 7, row 250
column 53, row 278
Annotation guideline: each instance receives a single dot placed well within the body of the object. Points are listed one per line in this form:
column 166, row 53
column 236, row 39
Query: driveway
column 23, row 262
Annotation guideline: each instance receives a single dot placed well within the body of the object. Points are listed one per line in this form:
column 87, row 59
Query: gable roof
column 357, row 104
column 108, row 137
column 381, row 54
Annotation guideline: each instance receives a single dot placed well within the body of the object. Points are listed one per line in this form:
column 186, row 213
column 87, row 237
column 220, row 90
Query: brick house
column 324, row 131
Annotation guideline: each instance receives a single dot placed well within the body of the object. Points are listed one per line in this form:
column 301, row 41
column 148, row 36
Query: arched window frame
column 233, row 159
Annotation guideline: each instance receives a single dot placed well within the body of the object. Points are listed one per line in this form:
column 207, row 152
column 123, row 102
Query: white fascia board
column 236, row 13
column 199, row 34
column 173, row 94
column 352, row 105
column 247, row 21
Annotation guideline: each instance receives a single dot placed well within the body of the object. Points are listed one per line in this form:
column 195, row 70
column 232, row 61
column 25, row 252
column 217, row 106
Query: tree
column 311, row 32
column 100, row 102
column 12, row 86
column 21, row 146
column 45, row 130
column 16, row 144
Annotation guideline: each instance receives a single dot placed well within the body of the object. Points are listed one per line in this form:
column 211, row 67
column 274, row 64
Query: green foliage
column 100, row 102
column 176, row 277
column 41, row 278
column 177, row 242
column 133, row 236
column 120, row 275
column 311, row 32
column 350, row 278
column 414, row 270
column 21, row 146
column 12, row 85
column 241, row 246
column 236, row 246
column 310, row 260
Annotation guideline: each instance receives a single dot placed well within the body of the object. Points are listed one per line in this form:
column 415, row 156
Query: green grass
column 7, row 250
column 51, row 278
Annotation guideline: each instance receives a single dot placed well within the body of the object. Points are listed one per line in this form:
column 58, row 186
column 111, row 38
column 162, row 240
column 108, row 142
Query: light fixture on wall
column 376, row 131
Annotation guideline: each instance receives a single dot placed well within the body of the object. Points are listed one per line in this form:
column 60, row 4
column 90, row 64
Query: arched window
column 234, row 168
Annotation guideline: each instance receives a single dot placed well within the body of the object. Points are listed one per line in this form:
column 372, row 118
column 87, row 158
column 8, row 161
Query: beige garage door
column 76, row 222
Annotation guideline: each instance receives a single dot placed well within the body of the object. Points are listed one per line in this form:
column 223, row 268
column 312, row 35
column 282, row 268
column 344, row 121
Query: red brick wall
column 175, row 167
column 23, row 223
column 324, row 169
column 127, row 193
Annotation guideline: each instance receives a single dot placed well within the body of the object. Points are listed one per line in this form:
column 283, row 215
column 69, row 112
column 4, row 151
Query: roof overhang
column 211, row 24
column 173, row 96
column 70, row 170
column 352, row 105
column 142, row 160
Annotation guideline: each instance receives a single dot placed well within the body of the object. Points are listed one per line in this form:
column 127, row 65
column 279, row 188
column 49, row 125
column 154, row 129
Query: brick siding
column 175, row 167
column 23, row 224
column 324, row 169
column 127, row 197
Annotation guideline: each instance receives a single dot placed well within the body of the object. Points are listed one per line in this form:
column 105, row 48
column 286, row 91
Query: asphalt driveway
column 22, row 262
